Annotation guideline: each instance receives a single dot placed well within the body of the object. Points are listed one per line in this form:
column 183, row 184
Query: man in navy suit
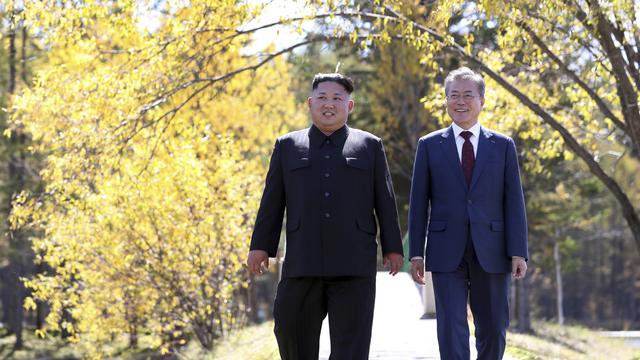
column 468, row 206
column 334, row 183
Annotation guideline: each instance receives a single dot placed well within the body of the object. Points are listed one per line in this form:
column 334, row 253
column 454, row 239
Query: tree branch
column 597, row 99
column 625, row 89
column 628, row 210
column 632, row 55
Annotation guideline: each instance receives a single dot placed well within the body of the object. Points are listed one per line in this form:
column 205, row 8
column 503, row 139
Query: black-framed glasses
column 465, row 97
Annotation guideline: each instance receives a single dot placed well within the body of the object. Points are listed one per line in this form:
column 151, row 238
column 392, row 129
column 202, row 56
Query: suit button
column 327, row 157
column 327, row 141
column 326, row 175
column 469, row 202
column 326, row 194
column 327, row 215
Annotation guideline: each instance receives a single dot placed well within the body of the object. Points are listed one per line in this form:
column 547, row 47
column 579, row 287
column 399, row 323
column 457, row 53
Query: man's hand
column 258, row 261
column 518, row 267
column 417, row 271
column 394, row 261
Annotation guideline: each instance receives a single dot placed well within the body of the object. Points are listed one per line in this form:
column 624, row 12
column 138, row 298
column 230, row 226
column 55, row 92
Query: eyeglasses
column 465, row 97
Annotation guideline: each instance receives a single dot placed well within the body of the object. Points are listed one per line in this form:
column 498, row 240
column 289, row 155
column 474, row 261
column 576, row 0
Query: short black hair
column 345, row 81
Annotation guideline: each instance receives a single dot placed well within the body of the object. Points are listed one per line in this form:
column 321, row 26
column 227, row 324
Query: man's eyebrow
column 335, row 93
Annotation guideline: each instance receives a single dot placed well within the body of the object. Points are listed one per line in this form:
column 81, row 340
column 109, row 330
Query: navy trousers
column 488, row 296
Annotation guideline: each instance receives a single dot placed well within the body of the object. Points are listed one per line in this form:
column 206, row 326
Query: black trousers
column 301, row 305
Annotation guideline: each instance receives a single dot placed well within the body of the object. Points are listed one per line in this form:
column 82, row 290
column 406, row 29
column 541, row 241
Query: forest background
column 137, row 135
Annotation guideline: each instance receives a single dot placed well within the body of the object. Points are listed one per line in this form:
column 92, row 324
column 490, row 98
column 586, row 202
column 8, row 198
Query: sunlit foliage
column 156, row 128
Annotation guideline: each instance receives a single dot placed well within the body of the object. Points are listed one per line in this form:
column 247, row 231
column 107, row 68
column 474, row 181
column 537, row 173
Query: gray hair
column 464, row 73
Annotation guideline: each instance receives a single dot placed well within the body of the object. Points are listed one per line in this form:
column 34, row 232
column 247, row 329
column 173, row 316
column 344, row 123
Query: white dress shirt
column 475, row 130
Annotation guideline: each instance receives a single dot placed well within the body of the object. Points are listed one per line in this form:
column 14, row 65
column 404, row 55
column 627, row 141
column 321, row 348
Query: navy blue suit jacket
column 444, row 212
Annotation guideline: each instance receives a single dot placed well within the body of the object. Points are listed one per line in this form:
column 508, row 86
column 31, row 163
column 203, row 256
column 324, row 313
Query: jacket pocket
column 357, row 163
column 497, row 226
column 298, row 163
column 437, row 225
column 293, row 225
column 366, row 226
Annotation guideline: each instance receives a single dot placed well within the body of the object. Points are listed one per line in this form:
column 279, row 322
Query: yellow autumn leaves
column 154, row 166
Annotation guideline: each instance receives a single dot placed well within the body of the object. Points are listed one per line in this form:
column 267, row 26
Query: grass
column 35, row 349
column 255, row 343
column 550, row 341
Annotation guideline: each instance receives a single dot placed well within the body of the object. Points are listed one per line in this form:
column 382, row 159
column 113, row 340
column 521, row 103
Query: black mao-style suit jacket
column 337, row 192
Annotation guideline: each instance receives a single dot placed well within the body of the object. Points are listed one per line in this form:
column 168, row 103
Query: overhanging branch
column 597, row 99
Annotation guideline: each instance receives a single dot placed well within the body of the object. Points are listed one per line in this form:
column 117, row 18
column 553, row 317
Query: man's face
column 330, row 105
column 464, row 103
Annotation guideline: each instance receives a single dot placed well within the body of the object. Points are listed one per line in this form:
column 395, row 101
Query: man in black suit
column 334, row 182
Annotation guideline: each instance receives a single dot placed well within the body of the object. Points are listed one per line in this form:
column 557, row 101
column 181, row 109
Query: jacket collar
column 318, row 139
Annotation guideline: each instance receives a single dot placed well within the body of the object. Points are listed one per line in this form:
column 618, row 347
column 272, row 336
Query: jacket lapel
column 448, row 144
column 485, row 148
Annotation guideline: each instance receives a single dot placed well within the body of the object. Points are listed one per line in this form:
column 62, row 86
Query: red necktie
column 468, row 158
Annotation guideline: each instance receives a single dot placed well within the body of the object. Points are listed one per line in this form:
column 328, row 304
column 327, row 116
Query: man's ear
column 350, row 105
column 309, row 102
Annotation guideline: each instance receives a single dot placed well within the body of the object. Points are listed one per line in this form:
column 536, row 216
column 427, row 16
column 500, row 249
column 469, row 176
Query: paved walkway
column 398, row 331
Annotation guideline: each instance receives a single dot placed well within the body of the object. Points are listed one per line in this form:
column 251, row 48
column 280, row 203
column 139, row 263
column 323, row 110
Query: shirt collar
column 317, row 138
column 475, row 129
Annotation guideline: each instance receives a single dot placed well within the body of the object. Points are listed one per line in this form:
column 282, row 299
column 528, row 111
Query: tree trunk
column 616, row 276
column 556, row 258
column 16, row 183
column 4, row 295
column 66, row 318
column 16, row 297
column 11, row 85
column 133, row 335
column 42, row 308
column 23, row 55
